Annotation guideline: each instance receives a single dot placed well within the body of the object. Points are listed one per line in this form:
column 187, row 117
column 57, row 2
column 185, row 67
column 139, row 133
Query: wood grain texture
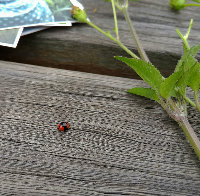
column 118, row 144
column 82, row 48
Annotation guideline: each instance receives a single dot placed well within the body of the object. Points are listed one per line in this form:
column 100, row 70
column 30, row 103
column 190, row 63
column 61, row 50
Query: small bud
column 177, row 4
column 79, row 14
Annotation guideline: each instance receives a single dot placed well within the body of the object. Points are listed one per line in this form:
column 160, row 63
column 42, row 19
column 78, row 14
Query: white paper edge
column 40, row 28
column 34, row 25
column 36, row 29
column 14, row 45
column 68, row 24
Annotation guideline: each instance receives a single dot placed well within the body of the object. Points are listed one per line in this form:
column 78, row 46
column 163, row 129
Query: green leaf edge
column 145, row 92
column 138, row 64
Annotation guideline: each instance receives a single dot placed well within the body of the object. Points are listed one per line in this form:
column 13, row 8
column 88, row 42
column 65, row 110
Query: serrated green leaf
column 145, row 92
column 146, row 71
column 194, row 50
column 188, row 57
column 194, row 79
column 185, row 65
column 186, row 70
column 186, row 61
column 179, row 64
column 179, row 81
column 167, row 88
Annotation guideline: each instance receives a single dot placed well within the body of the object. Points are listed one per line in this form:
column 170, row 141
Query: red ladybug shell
column 63, row 126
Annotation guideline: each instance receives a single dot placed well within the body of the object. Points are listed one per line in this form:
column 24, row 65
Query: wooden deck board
column 119, row 144
column 84, row 49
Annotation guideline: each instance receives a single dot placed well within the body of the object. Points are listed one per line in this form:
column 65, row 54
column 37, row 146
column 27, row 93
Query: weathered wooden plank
column 82, row 48
column 118, row 144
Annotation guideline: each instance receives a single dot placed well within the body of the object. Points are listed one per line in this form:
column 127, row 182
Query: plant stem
column 115, row 19
column 114, row 39
column 189, row 29
column 185, row 125
column 167, row 108
column 185, row 42
column 192, row 4
column 197, row 101
column 185, row 37
column 135, row 36
column 118, row 6
column 191, row 135
column 190, row 101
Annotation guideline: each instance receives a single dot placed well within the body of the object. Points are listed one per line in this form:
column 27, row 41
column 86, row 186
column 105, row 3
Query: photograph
column 20, row 13
column 10, row 37
column 61, row 10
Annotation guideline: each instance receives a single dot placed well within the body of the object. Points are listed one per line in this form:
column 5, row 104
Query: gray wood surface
column 83, row 48
column 119, row 144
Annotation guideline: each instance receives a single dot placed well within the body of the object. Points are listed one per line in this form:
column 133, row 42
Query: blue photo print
column 23, row 13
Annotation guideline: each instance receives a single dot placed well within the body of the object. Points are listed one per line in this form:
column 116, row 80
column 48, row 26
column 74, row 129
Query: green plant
column 169, row 92
column 180, row 4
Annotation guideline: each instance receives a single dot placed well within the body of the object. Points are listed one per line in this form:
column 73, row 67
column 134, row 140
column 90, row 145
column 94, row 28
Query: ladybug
column 63, row 126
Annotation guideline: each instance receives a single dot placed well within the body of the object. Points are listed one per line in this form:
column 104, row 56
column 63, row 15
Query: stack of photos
column 22, row 17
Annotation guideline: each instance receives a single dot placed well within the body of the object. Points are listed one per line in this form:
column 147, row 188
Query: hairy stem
column 115, row 19
column 167, row 108
column 114, row 39
column 135, row 36
column 182, row 120
column 191, row 135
